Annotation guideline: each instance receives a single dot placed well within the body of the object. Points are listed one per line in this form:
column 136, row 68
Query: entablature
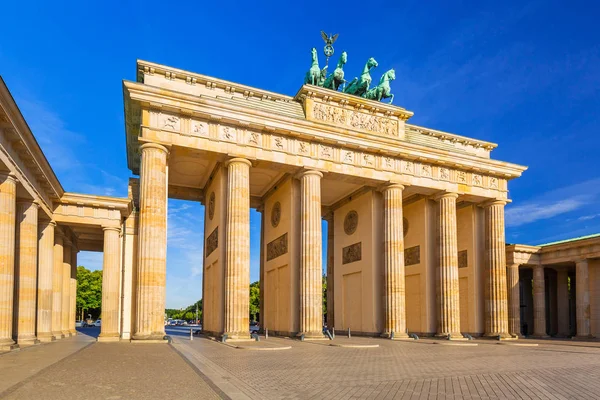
column 88, row 210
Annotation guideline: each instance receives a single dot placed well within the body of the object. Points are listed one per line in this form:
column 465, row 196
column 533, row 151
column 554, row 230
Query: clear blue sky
column 525, row 76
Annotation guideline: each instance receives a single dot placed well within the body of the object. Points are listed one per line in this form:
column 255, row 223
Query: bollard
column 392, row 335
column 191, row 334
column 333, row 332
column 349, row 336
column 266, row 333
column 329, row 335
column 223, row 338
column 302, row 337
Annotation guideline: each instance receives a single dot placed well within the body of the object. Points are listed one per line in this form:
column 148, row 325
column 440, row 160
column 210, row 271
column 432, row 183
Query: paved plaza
column 280, row 368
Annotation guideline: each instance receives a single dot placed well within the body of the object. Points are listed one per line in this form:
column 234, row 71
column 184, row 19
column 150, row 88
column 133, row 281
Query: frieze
column 277, row 247
column 228, row 133
column 212, row 241
column 352, row 253
column 463, row 260
column 199, row 128
column 412, row 255
column 169, row 122
column 355, row 119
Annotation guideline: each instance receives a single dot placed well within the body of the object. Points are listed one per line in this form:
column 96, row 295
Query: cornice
column 124, row 205
column 451, row 137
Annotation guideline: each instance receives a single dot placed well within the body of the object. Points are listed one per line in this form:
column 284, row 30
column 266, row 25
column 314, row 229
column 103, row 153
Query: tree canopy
column 89, row 292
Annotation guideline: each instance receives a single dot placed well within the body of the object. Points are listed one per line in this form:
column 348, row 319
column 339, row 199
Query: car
column 98, row 322
column 79, row 324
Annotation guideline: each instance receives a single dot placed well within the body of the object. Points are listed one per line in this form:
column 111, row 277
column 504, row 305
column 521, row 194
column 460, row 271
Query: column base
column 453, row 336
column 73, row 332
column 540, row 336
column 397, row 336
column 28, row 342
column 66, row 334
column 496, row 335
column 237, row 335
column 58, row 335
column 46, row 337
column 151, row 336
column 583, row 337
column 110, row 337
column 8, row 345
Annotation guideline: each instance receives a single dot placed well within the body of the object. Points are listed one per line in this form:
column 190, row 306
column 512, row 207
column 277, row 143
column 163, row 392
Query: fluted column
column 110, row 285
column 66, row 288
column 447, row 277
column 394, row 280
column 539, row 302
column 261, row 278
column 514, row 300
column 330, row 272
column 496, row 301
column 237, row 249
column 57, row 285
column 562, row 294
column 582, row 296
column 73, row 291
column 152, row 250
column 311, row 311
column 45, row 282
column 8, row 198
column 26, row 272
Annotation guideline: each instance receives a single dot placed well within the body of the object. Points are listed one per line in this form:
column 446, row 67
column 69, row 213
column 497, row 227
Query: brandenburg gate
column 415, row 220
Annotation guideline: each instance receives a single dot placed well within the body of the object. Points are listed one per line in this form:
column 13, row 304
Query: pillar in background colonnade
column 394, row 280
column 110, row 285
column 152, row 245
column 57, row 284
column 582, row 296
column 26, row 273
column 539, row 302
column 311, row 309
column 8, row 205
column 330, row 272
column 562, row 294
column 237, row 249
column 73, row 290
column 514, row 300
column 45, row 296
column 66, row 287
column 447, row 271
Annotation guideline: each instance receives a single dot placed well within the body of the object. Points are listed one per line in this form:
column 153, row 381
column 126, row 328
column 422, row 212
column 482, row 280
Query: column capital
column 32, row 202
column 310, row 172
column 111, row 228
column 582, row 260
column 493, row 202
column 7, row 175
column 237, row 160
column 389, row 186
column 445, row 195
column 156, row 146
column 513, row 265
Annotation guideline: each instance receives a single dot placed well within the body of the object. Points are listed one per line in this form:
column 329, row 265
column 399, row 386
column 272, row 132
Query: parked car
column 98, row 322
column 79, row 324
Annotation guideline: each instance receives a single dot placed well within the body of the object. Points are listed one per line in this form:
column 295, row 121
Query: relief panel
column 352, row 253
column 277, row 247
column 412, row 255
column 212, row 241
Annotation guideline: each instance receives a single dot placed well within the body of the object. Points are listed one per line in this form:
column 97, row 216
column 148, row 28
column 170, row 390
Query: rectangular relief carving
column 355, row 119
column 277, row 247
column 412, row 255
column 212, row 241
column 463, row 260
column 352, row 253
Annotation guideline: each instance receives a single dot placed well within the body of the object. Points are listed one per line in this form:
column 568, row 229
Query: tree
column 254, row 300
column 324, row 285
column 89, row 291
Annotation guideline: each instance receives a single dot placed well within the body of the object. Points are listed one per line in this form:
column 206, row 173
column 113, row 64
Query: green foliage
column 254, row 299
column 186, row 313
column 89, row 292
column 324, row 284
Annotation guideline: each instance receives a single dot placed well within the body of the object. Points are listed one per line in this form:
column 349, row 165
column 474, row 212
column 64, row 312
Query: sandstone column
column 110, row 285
column 394, row 283
column 582, row 296
column 496, row 302
column 330, row 272
column 539, row 302
column 152, row 250
column 73, row 291
column 448, row 295
column 237, row 249
column 261, row 279
column 66, row 288
column 562, row 289
column 8, row 198
column 514, row 300
column 57, row 285
column 26, row 272
column 45, row 282
column 311, row 311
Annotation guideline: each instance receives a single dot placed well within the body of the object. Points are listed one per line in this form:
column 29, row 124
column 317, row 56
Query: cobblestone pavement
column 396, row 369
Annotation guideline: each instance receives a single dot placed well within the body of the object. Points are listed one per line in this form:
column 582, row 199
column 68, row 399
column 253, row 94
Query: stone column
column 496, row 302
column 110, row 285
column 66, row 288
column 8, row 198
column 45, row 282
column 57, row 285
column 539, row 302
column 582, row 296
column 447, row 277
column 261, row 278
column 237, row 250
column 514, row 300
column 562, row 293
column 152, row 250
column 26, row 272
column 394, row 283
column 311, row 309
column 73, row 291
column 330, row 272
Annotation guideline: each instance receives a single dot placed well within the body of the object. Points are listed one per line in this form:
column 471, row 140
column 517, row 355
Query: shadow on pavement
column 93, row 331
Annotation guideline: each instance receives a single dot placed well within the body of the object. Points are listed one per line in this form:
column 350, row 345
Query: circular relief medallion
column 211, row 206
column 351, row 222
column 405, row 226
column 276, row 214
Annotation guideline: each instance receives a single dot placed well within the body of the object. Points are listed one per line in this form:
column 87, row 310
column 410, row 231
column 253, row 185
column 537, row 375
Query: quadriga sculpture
column 360, row 86
column 313, row 76
column 335, row 80
column 383, row 90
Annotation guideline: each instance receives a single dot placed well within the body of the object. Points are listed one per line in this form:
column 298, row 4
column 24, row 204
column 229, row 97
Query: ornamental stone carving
column 352, row 253
column 276, row 214
column 199, row 128
column 277, row 247
column 463, row 260
column 170, row 122
column 405, row 226
column 212, row 241
column 412, row 256
column 350, row 222
column 355, row 119
column 211, row 206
